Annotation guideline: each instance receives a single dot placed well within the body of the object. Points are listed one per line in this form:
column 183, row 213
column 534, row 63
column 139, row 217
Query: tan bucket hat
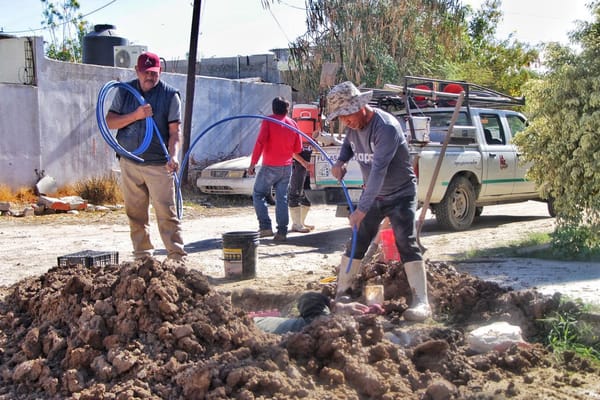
column 345, row 99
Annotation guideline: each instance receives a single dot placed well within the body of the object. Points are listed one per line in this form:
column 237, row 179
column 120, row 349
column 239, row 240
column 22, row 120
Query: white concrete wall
column 53, row 126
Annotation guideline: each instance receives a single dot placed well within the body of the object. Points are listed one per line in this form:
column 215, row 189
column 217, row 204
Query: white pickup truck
column 480, row 166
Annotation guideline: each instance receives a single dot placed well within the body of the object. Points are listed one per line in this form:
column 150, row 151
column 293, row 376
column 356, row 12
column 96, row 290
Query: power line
column 279, row 25
column 292, row 6
column 277, row 21
column 61, row 24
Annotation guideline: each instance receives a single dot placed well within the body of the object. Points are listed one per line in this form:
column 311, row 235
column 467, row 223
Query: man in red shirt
column 277, row 145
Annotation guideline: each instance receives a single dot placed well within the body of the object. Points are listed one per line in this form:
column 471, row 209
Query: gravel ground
column 31, row 245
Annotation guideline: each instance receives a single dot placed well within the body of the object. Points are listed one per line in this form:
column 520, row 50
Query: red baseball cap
column 148, row 62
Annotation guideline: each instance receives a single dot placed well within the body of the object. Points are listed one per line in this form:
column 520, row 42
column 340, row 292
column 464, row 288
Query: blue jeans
column 266, row 178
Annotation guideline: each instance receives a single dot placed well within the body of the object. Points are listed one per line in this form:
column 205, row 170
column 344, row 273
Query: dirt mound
column 154, row 331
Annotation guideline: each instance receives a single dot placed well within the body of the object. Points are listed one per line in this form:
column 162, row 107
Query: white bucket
column 421, row 126
column 374, row 294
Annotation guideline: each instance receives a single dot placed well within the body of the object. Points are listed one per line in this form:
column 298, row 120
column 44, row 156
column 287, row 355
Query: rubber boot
column 417, row 279
column 296, row 215
column 344, row 281
column 303, row 213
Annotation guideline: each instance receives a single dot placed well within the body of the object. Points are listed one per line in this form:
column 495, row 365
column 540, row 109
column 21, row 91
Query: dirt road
column 31, row 245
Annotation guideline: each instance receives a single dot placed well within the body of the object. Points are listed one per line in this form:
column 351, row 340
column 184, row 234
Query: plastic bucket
column 421, row 125
column 374, row 294
column 388, row 245
column 239, row 254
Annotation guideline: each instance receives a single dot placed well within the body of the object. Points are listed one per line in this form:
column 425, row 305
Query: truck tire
column 551, row 209
column 478, row 211
column 456, row 211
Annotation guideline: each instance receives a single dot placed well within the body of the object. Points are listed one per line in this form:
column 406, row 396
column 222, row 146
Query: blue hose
column 299, row 132
column 151, row 128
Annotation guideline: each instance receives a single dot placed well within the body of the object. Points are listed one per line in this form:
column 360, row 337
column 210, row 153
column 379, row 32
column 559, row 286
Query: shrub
column 580, row 242
column 100, row 190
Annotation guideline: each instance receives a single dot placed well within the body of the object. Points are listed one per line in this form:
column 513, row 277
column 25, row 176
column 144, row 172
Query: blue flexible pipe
column 151, row 128
column 299, row 132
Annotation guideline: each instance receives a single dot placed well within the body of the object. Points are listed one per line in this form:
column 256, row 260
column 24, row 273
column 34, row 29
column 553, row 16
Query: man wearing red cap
column 152, row 180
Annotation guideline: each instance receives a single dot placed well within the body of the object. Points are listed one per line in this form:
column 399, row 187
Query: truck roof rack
column 420, row 92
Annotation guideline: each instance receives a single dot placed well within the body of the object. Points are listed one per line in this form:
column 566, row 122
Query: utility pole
column 191, row 84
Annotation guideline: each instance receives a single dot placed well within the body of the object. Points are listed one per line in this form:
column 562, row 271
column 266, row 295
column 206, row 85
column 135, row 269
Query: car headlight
column 236, row 174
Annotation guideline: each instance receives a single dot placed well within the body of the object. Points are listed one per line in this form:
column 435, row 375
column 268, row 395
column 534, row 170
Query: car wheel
column 457, row 209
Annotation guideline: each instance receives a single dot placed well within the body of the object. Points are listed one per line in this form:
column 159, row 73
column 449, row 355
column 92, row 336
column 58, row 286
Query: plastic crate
column 89, row 258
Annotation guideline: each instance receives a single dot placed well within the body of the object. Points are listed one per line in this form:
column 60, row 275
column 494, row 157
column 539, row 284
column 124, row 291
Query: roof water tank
column 98, row 45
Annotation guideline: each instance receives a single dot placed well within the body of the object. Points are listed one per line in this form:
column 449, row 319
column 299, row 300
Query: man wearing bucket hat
column 377, row 142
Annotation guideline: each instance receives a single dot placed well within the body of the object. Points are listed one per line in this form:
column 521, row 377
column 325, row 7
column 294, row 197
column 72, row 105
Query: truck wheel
column 456, row 211
column 550, row 203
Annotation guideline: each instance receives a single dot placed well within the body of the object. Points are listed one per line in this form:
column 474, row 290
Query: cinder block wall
column 52, row 127
column 262, row 66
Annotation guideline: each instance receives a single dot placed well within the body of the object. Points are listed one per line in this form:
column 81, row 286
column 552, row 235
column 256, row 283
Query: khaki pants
column 142, row 184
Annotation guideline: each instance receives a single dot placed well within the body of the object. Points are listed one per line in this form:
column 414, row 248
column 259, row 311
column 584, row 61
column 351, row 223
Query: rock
column 495, row 336
column 440, row 389
column 4, row 206
column 29, row 212
column 64, row 203
column 29, row 370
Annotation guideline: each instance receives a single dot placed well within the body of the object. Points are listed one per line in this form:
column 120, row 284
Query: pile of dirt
column 155, row 331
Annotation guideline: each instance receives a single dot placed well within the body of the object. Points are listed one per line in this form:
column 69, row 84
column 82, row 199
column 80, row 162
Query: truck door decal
column 503, row 163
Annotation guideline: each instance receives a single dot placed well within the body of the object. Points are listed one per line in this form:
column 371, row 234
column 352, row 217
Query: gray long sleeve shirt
column 381, row 150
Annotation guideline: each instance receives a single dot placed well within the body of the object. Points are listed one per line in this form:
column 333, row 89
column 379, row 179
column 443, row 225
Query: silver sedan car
column 227, row 177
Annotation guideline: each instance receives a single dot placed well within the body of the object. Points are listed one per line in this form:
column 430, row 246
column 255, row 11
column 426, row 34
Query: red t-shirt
column 276, row 143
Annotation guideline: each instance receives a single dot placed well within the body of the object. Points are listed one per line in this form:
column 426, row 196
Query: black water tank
column 98, row 45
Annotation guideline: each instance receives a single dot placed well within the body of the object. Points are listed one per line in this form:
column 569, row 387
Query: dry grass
column 66, row 190
column 97, row 190
column 5, row 193
column 100, row 190
column 22, row 195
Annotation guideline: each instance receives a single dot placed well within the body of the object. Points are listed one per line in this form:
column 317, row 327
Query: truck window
column 441, row 121
column 492, row 129
column 516, row 124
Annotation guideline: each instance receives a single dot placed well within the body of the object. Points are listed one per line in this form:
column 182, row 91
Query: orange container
column 388, row 245
column 307, row 117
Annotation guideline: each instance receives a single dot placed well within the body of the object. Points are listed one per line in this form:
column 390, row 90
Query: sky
column 243, row 27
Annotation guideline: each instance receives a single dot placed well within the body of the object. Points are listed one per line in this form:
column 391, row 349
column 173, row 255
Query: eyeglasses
column 151, row 74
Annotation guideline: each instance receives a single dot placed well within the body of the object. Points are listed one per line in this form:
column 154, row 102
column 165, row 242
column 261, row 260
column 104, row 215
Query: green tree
column 501, row 64
column 376, row 42
column 562, row 142
column 67, row 28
